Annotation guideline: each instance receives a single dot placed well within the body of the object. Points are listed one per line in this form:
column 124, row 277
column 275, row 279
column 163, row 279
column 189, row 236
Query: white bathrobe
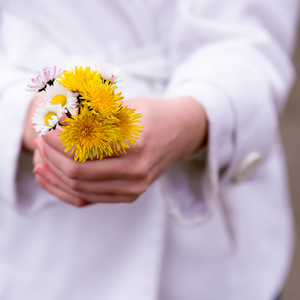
column 215, row 227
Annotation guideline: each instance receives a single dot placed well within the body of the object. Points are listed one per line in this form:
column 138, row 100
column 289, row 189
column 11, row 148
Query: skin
column 173, row 130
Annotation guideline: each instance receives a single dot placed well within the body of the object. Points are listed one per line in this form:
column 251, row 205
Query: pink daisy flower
column 39, row 83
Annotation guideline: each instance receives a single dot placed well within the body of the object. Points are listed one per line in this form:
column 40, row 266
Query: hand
column 173, row 129
column 29, row 134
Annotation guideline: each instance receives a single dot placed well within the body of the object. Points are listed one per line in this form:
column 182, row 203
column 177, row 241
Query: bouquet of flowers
column 100, row 124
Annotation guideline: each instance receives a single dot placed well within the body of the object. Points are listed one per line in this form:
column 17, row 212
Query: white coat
column 217, row 226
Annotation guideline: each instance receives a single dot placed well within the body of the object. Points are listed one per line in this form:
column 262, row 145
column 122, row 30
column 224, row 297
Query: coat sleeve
column 13, row 110
column 234, row 58
column 17, row 66
column 14, row 105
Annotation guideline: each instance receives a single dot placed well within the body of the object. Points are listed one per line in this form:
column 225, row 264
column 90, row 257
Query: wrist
column 191, row 125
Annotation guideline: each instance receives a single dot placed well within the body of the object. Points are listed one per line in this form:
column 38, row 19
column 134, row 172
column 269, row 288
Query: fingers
column 55, row 186
column 49, row 182
column 68, row 198
column 95, row 170
column 37, row 157
column 91, row 189
column 53, row 140
column 50, row 175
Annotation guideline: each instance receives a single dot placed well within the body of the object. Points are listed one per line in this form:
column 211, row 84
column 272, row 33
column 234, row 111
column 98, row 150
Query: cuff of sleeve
column 191, row 187
column 14, row 106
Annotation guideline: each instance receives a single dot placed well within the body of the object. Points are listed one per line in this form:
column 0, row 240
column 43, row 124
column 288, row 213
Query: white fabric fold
column 239, row 73
column 191, row 186
column 14, row 102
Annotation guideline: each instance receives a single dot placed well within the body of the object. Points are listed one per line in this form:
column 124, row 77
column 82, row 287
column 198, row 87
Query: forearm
column 191, row 123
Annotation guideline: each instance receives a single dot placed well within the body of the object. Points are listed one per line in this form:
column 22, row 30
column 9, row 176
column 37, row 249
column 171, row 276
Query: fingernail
column 38, row 144
column 39, row 171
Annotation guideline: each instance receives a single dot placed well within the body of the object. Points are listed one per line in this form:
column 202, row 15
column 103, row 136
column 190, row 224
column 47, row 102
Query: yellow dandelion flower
column 129, row 130
column 102, row 97
column 100, row 94
column 79, row 79
column 89, row 135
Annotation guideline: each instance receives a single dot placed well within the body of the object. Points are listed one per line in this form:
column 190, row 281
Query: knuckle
column 130, row 199
column 40, row 181
column 141, row 144
column 142, row 170
column 73, row 170
column 74, row 188
column 139, row 188
column 75, row 185
column 35, row 157
column 73, row 201
column 85, row 196
column 80, row 195
column 55, row 183
column 143, row 186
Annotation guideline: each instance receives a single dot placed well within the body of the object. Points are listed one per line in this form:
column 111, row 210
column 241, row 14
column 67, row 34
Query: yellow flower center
column 59, row 99
column 49, row 117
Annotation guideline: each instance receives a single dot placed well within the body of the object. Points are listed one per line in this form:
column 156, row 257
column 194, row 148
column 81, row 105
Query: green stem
column 69, row 114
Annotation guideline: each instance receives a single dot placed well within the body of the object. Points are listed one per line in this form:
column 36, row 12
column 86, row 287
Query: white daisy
column 46, row 117
column 47, row 76
column 110, row 72
column 55, row 94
